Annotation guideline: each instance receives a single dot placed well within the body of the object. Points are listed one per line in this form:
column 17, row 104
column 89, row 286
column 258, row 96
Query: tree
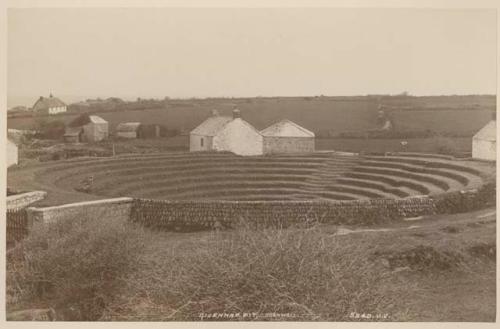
column 49, row 129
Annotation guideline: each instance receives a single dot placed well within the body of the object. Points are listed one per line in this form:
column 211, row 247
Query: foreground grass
column 443, row 270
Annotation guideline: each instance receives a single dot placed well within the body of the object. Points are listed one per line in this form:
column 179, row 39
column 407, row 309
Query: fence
column 17, row 226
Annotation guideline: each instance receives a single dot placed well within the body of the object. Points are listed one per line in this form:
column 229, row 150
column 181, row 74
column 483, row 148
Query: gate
column 17, row 226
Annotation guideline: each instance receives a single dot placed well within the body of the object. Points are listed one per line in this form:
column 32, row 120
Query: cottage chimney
column 41, row 97
column 236, row 114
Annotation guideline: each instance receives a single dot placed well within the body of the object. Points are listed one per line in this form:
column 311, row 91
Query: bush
column 74, row 266
column 46, row 129
column 296, row 271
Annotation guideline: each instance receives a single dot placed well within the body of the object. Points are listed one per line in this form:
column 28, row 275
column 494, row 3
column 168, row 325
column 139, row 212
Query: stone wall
column 19, row 201
column 195, row 143
column 288, row 144
column 194, row 215
column 105, row 209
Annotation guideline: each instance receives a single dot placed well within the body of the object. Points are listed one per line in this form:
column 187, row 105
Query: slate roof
column 128, row 126
column 83, row 119
column 488, row 132
column 96, row 119
column 44, row 103
column 211, row 126
column 286, row 128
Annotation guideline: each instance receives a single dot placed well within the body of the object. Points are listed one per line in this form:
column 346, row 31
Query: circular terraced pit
column 224, row 176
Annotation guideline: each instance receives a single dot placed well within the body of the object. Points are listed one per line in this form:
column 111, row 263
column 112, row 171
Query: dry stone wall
column 202, row 215
column 198, row 215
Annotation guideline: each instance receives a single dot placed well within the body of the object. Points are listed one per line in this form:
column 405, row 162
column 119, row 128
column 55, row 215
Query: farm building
column 149, row 131
column 88, row 128
column 96, row 129
column 128, row 129
column 287, row 137
column 73, row 134
column 12, row 153
column 224, row 133
column 49, row 105
column 484, row 142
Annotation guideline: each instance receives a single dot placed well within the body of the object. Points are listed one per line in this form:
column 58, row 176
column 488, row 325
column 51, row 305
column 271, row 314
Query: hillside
column 458, row 115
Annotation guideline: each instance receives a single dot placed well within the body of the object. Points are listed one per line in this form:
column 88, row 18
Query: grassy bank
column 436, row 269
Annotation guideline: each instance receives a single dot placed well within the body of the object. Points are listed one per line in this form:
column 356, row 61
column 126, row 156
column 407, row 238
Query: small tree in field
column 49, row 129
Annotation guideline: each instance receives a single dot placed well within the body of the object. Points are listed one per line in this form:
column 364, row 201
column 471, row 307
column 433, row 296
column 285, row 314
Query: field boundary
column 196, row 215
column 201, row 215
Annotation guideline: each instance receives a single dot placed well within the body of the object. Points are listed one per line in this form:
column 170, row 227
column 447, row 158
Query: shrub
column 53, row 129
column 74, row 266
column 445, row 145
column 296, row 271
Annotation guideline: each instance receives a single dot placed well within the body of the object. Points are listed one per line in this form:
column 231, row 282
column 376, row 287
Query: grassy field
column 202, row 176
column 440, row 268
column 444, row 145
column 447, row 114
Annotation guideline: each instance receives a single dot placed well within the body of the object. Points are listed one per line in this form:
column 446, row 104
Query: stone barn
column 149, row 131
column 12, row 153
column 484, row 142
column 287, row 137
column 88, row 128
column 224, row 133
column 128, row 129
column 96, row 129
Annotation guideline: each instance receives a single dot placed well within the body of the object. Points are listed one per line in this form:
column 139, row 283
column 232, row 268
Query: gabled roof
column 84, row 119
column 488, row 132
column 44, row 103
column 128, row 126
column 286, row 128
column 243, row 122
column 96, row 119
column 211, row 126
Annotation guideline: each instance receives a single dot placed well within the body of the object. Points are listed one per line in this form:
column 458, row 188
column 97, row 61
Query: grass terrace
column 224, row 176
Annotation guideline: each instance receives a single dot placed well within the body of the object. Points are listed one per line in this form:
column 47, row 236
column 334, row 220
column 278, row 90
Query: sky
column 223, row 52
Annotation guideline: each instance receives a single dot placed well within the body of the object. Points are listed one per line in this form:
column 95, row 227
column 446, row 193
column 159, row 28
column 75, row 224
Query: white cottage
column 484, row 142
column 12, row 156
column 223, row 133
column 287, row 137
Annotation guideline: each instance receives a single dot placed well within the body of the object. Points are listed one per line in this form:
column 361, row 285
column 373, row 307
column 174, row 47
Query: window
column 201, row 142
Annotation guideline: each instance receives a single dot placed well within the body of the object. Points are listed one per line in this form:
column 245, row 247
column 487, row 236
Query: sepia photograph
column 250, row 164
